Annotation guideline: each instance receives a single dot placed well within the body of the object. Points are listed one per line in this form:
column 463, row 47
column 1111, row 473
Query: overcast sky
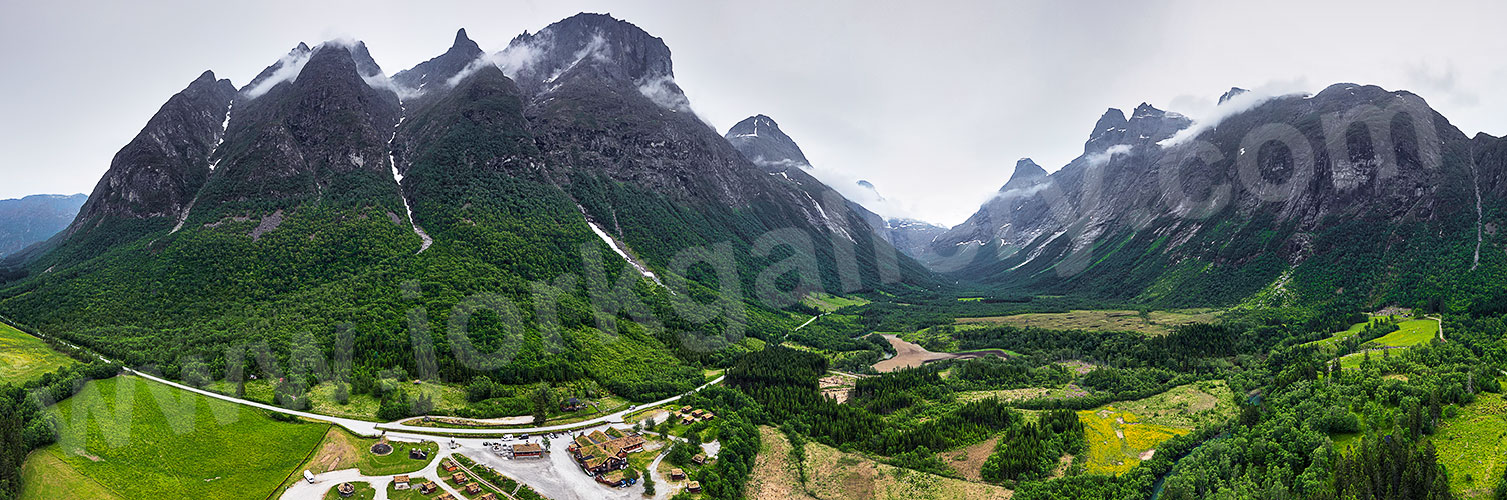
column 931, row 101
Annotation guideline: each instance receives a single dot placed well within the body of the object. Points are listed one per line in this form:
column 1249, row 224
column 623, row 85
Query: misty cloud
column 1023, row 192
column 1236, row 105
column 288, row 68
column 1100, row 158
column 663, row 91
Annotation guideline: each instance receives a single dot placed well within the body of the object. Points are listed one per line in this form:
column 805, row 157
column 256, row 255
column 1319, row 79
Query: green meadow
column 24, row 357
column 133, row 438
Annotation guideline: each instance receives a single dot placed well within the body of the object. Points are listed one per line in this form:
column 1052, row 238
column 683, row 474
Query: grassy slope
column 826, row 302
column 49, row 477
column 1410, row 333
column 24, row 357
column 1338, row 336
column 1186, row 406
column 833, row 474
column 146, row 440
column 1473, row 446
column 447, row 397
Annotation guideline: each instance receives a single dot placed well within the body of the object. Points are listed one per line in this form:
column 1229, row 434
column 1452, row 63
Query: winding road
column 371, row 429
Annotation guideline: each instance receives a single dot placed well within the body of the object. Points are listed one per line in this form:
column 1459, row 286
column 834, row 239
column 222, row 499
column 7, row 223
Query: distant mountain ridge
column 33, row 219
column 760, row 139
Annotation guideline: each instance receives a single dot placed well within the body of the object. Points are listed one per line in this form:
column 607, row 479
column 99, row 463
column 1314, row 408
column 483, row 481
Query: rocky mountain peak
column 158, row 172
column 1146, row 110
column 1231, row 94
column 366, row 66
column 1146, row 124
column 590, row 46
column 464, row 43
column 760, row 139
column 1026, row 174
column 439, row 70
column 1113, row 118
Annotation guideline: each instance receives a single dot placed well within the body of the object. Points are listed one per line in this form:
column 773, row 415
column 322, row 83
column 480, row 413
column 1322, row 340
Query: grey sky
column 931, row 102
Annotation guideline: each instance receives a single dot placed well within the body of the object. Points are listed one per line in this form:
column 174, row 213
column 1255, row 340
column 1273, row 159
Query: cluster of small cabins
column 430, row 487
column 405, row 483
column 604, row 455
column 677, row 474
column 689, row 415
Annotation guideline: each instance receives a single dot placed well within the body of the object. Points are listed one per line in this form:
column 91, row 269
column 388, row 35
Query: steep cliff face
column 158, row 173
column 1162, row 209
column 318, row 136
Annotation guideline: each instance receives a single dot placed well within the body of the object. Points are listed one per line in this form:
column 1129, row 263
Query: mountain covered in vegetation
column 1355, row 196
column 557, row 202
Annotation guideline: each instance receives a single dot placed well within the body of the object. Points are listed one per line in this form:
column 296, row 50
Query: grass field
column 49, row 477
column 827, row 302
column 1118, row 440
column 1473, row 446
column 141, row 439
column 1341, row 335
column 24, row 357
column 1156, row 322
column 396, row 462
column 1411, row 333
column 1186, row 406
column 834, row 475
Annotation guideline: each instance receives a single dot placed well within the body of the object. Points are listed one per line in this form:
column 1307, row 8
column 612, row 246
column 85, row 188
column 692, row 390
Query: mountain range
column 35, row 218
column 325, row 195
column 1355, row 196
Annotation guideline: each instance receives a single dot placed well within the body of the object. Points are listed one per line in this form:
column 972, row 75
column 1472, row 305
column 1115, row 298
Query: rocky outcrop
column 158, row 173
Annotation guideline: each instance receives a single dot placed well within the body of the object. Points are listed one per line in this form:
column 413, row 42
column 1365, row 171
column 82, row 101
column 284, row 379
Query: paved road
column 610, row 418
column 360, row 427
column 368, row 428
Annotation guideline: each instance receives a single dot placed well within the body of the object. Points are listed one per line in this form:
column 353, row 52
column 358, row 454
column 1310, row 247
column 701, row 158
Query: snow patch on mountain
column 397, row 177
column 617, row 249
